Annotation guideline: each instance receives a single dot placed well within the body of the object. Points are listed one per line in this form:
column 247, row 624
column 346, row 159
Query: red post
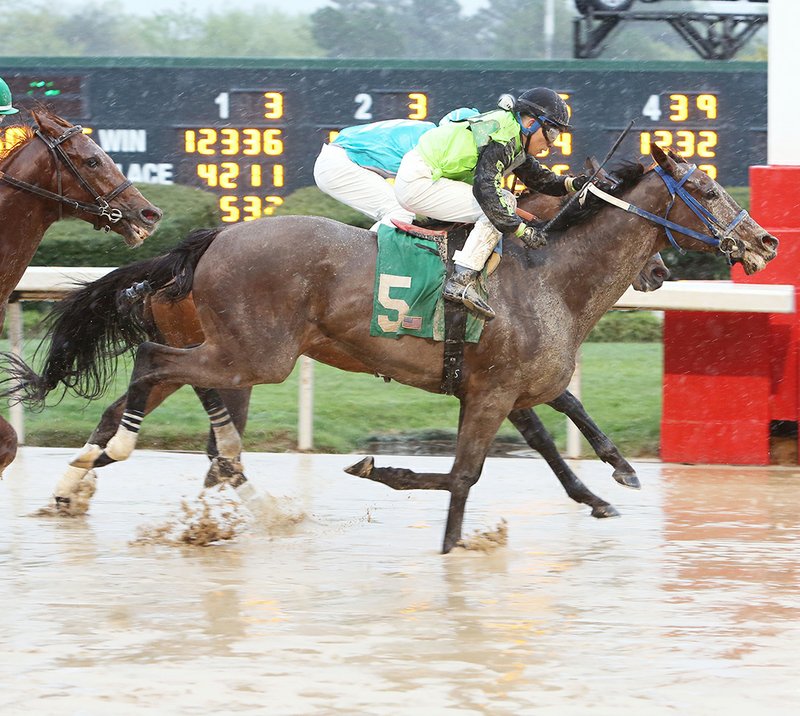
column 728, row 375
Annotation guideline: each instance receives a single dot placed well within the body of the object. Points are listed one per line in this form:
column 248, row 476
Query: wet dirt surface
column 687, row 604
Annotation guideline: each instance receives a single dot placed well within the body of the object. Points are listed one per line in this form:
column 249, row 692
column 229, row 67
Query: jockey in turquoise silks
column 354, row 167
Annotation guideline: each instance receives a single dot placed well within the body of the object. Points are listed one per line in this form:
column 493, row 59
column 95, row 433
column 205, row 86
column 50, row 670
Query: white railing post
column 573, row 434
column 16, row 413
column 305, row 420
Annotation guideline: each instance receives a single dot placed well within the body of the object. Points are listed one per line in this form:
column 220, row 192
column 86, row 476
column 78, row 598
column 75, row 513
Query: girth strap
column 455, row 322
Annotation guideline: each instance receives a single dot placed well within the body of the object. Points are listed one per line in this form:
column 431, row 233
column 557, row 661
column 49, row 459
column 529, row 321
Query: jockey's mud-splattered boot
column 460, row 287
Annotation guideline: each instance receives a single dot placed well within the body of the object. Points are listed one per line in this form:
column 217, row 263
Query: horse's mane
column 627, row 173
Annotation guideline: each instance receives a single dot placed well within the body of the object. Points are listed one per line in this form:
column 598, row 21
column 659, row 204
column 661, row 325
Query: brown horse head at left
column 62, row 168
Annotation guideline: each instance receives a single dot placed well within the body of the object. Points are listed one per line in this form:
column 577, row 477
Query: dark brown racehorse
column 176, row 324
column 269, row 291
column 55, row 170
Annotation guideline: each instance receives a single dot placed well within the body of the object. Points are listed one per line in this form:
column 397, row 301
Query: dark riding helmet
column 544, row 104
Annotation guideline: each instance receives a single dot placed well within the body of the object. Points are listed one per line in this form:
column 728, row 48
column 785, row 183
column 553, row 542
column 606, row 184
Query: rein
column 719, row 236
column 100, row 208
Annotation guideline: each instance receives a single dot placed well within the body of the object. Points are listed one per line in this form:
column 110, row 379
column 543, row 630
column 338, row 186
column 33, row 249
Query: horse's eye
column 93, row 162
column 711, row 193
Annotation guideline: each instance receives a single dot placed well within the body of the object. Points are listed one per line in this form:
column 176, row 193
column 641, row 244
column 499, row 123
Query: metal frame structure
column 714, row 36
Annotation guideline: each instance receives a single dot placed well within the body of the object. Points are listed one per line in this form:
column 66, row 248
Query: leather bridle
column 100, row 207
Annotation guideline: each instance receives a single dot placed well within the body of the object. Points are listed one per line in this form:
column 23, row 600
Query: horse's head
column 84, row 174
column 652, row 276
column 704, row 206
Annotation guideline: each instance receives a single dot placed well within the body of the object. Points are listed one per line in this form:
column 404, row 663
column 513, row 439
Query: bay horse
column 177, row 324
column 51, row 171
column 271, row 290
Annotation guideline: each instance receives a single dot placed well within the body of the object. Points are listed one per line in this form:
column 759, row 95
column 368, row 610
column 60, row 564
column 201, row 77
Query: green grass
column 351, row 409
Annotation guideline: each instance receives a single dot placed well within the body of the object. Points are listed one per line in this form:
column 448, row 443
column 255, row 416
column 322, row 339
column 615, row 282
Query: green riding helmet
column 5, row 99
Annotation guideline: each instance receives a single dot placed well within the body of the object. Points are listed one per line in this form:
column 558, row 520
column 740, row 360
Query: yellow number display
column 229, row 139
column 564, row 143
column 708, row 140
column 273, row 105
column 684, row 142
column 565, row 97
column 687, row 142
column 233, row 142
column 247, row 208
column 417, row 105
column 679, row 105
column 707, row 103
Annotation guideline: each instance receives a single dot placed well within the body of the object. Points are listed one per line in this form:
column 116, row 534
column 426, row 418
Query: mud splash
column 275, row 516
column 220, row 514
column 487, row 540
column 216, row 516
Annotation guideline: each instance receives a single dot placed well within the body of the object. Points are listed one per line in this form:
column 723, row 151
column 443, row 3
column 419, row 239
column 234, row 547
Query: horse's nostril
column 769, row 242
column 151, row 216
column 661, row 273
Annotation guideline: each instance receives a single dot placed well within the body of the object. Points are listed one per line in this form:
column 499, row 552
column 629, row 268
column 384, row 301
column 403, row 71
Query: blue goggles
column 550, row 129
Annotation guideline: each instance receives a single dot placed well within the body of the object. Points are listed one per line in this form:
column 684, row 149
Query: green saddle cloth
column 409, row 275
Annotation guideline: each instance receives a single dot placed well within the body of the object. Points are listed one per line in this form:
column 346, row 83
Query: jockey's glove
column 575, row 184
column 532, row 236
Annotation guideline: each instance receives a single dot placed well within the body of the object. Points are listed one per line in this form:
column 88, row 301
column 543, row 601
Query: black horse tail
column 88, row 333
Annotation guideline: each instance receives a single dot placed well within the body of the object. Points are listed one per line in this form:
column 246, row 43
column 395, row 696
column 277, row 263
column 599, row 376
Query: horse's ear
column 677, row 157
column 664, row 160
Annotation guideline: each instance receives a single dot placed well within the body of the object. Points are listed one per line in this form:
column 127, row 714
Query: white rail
column 51, row 283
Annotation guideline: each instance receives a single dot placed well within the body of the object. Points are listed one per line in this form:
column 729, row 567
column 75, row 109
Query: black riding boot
column 461, row 287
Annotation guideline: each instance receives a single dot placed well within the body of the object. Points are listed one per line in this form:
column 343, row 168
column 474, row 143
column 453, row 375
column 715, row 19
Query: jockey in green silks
column 456, row 173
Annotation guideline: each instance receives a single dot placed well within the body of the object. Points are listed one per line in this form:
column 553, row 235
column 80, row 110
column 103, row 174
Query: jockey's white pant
column 447, row 200
column 361, row 189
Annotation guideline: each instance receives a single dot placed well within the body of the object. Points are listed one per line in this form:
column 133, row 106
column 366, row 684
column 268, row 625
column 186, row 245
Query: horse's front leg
column 78, row 483
column 605, row 449
column 478, row 424
column 536, row 435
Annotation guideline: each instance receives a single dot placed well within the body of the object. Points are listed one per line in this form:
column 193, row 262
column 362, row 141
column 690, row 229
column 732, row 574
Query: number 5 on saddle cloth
column 410, row 271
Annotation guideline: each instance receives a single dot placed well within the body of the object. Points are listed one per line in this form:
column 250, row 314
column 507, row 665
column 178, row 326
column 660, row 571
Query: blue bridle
column 719, row 235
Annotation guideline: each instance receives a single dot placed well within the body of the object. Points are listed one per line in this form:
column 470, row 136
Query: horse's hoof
column 225, row 470
column 449, row 544
column 627, row 479
column 85, row 459
column 363, row 468
column 601, row 511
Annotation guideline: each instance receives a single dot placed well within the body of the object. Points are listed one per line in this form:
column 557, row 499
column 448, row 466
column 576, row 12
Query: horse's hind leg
column 605, row 449
column 226, row 463
column 238, row 403
column 536, row 435
column 478, row 424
